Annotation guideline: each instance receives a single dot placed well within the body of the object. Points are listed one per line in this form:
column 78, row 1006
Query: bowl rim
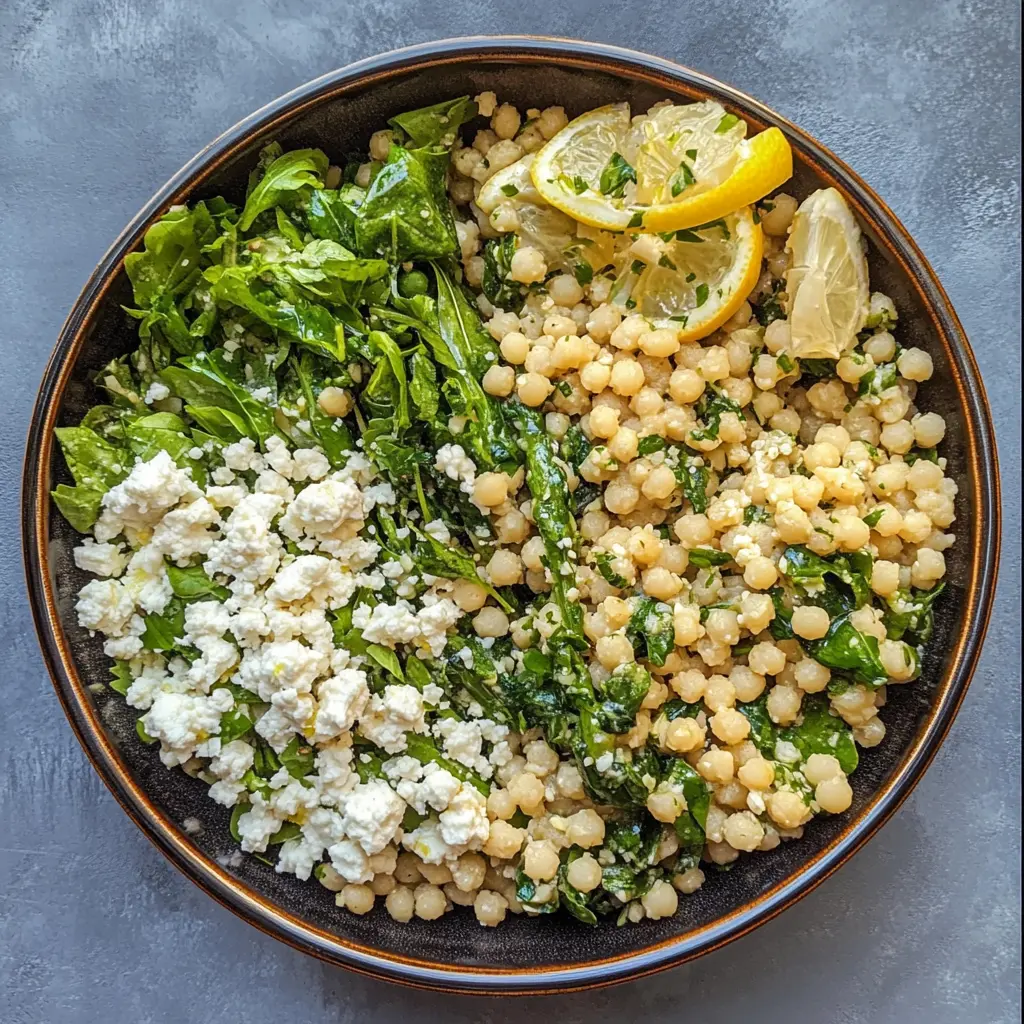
column 168, row 837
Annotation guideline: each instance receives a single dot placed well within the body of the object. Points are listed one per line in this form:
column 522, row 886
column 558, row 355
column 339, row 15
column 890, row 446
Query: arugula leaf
column 603, row 560
column 120, row 677
column 331, row 213
column 572, row 899
column 406, row 214
column 425, row 751
column 292, row 172
column 330, row 432
column 554, row 521
column 165, row 273
column 234, row 724
column 615, row 176
column 206, row 379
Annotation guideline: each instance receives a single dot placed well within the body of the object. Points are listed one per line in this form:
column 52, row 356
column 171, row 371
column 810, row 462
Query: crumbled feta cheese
column 100, row 559
column 452, row 460
column 389, row 716
column 372, row 815
column 138, row 501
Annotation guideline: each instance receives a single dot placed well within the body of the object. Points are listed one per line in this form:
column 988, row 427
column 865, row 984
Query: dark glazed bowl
column 338, row 112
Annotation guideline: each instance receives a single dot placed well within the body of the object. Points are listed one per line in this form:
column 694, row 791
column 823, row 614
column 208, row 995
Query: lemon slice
column 827, row 282
column 673, row 167
column 694, row 279
column 539, row 224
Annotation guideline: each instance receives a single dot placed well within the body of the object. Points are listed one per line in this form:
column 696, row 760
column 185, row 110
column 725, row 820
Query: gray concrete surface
column 102, row 99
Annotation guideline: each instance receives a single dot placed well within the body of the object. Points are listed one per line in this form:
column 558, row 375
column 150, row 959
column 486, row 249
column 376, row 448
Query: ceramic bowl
column 337, row 113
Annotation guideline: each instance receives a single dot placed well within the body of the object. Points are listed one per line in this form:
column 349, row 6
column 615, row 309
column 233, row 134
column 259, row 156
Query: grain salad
column 529, row 515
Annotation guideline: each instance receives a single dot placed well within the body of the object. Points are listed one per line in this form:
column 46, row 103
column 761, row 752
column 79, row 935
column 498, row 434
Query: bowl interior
column 342, row 124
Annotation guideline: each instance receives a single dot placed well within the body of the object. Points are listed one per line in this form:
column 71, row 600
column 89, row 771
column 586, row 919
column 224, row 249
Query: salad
column 527, row 515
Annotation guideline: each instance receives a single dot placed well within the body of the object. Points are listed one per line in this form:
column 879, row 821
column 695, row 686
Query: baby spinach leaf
column 96, row 466
column 192, row 583
column 164, row 630
column 620, row 697
column 406, row 214
column 297, row 758
column 436, row 125
column 387, row 659
column 845, row 648
column 810, row 571
column 165, row 272
column 234, row 724
column 528, row 892
column 910, row 614
column 820, row 732
column 651, row 630
column 634, row 840
column 306, row 322
column 763, row 731
column 691, row 823
column 291, row 172
column 227, row 427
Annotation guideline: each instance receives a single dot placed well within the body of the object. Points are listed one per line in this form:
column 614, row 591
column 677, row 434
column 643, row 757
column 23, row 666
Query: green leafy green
column 820, row 732
column 436, row 125
column 291, row 172
column 616, row 175
column 705, row 558
column 405, row 215
column 497, row 283
column 651, row 630
column 910, row 614
column 191, row 583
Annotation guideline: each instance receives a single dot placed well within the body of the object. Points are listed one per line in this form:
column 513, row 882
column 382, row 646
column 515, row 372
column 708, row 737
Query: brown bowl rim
column 276, row 921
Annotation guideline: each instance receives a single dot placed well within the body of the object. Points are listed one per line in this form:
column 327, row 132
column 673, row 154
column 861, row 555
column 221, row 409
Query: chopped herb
column 510, row 190
column 637, row 220
column 664, row 261
column 728, row 121
column 701, row 294
column 616, row 175
column 583, row 272
column 683, row 178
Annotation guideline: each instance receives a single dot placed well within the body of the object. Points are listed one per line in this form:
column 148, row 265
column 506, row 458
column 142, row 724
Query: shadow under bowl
column 338, row 112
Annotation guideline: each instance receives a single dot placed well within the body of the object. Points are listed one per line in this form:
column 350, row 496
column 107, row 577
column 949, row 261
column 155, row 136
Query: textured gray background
column 102, row 100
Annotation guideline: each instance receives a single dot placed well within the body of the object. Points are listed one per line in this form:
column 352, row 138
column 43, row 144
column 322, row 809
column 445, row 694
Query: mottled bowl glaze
column 338, row 112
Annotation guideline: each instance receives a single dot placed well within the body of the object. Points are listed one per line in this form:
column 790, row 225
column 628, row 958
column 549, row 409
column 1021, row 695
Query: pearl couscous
column 519, row 519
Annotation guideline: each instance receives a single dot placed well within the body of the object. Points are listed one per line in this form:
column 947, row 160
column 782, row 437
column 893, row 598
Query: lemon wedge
column 691, row 279
column 827, row 282
column 673, row 167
